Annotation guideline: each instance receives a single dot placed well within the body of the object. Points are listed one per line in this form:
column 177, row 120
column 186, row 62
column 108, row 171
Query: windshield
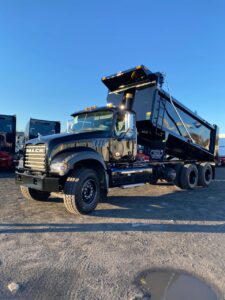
column 93, row 121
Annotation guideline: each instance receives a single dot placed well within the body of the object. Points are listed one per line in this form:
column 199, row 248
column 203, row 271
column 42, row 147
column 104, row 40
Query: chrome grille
column 35, row 157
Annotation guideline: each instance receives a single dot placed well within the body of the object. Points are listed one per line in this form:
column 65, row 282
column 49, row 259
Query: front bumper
column 41, row 183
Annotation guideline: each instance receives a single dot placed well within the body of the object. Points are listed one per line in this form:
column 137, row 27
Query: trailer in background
column 221, row 160
column 37, row 128
column 7, row 140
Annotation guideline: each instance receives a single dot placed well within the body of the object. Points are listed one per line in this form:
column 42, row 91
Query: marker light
column 90, row 108
column 109, row 105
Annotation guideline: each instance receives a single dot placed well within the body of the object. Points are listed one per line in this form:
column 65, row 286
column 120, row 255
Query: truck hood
column 72, row 141
column 64, row 137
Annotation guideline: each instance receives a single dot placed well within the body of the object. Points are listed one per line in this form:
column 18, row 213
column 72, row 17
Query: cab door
column 124, row 144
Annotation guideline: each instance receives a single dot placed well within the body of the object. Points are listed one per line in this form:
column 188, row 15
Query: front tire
column 82, row 191
column 32, row 194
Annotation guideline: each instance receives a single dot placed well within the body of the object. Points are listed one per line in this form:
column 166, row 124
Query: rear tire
column 32, row 194
column 205, row 174
column 82, row 191
column 154, row 181
column 178, row 168
column 189, row 177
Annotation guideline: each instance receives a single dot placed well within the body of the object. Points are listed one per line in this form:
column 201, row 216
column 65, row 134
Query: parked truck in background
column 7, row 141
column 221, row 160
column 37, row 128
column 141, row 136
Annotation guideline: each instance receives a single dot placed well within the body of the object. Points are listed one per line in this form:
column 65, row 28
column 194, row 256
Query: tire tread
column 30, row 195
column 70, row 190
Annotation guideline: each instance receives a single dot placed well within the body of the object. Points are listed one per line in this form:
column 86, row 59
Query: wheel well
column 97, row 166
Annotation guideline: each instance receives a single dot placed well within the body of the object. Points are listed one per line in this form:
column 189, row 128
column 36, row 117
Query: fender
column 72, row 158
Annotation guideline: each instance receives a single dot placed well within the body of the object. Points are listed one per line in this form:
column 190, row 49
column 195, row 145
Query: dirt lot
column 52, row 254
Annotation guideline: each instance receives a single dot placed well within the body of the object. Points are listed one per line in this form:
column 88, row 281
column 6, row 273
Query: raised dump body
column 163, row 123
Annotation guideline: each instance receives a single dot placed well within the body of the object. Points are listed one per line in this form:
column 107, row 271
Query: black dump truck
column 7, row 140
column 141, row 136
column 37, row 127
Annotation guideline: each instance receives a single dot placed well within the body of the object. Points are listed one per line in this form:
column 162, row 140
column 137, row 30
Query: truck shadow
column 18, row 228
column 203, row 204
column 180, row 211
column 177, row 206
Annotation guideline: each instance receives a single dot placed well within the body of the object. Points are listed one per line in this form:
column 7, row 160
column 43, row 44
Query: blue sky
column 53, row 53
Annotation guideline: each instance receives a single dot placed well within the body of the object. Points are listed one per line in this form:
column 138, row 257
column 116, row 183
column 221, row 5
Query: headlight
column 59, row 167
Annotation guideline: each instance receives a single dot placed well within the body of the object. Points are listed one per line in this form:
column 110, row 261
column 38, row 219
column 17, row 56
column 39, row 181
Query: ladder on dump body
column 160, row 115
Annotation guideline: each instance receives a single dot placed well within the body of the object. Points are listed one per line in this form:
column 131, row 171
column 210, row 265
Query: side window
column 120, row 124
column 125, row 125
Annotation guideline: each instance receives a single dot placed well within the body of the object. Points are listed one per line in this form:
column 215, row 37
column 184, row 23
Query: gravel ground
column 52, row 254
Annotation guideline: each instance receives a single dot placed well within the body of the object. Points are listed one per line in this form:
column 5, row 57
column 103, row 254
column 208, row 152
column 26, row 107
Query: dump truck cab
column 110, row 124
column 141, row 136
column 98, row 135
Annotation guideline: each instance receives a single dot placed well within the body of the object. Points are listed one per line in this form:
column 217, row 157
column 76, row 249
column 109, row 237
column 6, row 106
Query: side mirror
column 129, row 126
column 129, row 122
column 69, row 126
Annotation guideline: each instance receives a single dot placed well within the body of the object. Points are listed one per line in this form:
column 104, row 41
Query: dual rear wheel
column 190, row 175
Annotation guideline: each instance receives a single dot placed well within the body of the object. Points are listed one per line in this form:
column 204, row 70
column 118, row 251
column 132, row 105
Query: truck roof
column 94, row 108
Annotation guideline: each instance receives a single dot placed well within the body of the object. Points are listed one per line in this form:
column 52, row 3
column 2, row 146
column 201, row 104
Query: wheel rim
column 208, row 175
column 193, row 178
column 89, row 191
